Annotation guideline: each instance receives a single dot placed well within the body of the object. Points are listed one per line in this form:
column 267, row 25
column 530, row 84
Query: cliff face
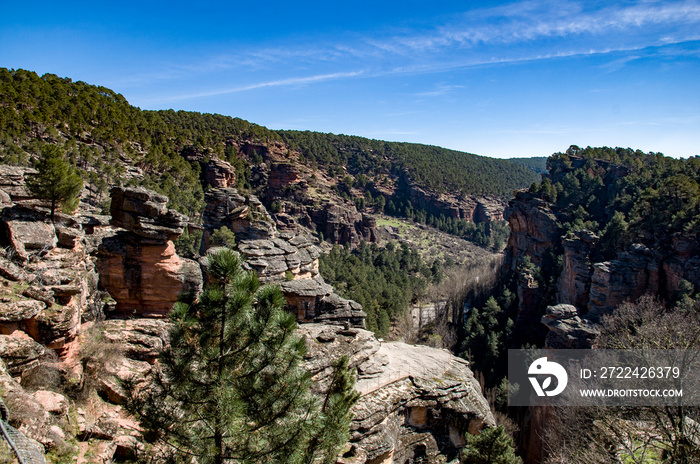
column 469, row 208
column 305, row 199
column 593, row 287
column 533, row 230
column 417, row 402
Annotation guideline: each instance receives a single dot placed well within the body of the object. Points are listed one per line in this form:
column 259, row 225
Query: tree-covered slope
column 434, row 168
column 538, row 164
column 626, row 196
column 103, row 134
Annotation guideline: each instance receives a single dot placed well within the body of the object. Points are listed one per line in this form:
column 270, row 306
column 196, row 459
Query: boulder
column 52, row 402
column 24, row 236
column 567, row 330
column 20, row 310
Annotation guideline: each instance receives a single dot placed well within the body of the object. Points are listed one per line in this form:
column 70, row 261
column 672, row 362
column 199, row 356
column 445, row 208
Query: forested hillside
column 624, row 195
column 537, row 164
column 103, row 135
column 431, row 167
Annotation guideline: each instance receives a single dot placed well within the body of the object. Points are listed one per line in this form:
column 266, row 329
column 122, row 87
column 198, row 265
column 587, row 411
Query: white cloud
column 275, row 83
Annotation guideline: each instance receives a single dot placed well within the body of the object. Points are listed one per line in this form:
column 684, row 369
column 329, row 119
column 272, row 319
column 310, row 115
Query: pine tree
column 57, row 181
column 491, row 446
column 231, row 388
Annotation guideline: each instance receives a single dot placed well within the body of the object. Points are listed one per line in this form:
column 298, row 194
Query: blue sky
column 502, row 79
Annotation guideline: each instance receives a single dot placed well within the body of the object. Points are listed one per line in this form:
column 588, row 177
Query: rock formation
column 574, row 285
column 469, row 208
column 216, row 172
column 302, row 197
column 139, row 266
column 417, row 402
column 567, row 330
column 245, row 216
column 291, row 261
column 46, row 277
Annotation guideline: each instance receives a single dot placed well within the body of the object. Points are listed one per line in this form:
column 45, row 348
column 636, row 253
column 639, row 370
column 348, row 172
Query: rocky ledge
column 417, row 402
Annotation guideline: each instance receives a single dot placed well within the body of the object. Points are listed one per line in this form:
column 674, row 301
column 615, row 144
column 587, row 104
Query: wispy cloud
column 529, row 30
column 531, row 21
column 276, row 83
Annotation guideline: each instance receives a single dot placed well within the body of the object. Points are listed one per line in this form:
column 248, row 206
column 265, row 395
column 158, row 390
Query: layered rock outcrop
column 216, row 172
column 138, row 266
column 574, row 285
column 291, row 261
column 417, row 402
column 567, row 329
column 244, row 216
column 46, row 277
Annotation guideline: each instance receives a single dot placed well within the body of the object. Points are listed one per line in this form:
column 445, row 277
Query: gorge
column 85, row 297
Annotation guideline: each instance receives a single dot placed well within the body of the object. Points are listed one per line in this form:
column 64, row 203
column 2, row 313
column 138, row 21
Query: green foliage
column 232, row 388
column 223, row 237
column 491, row 446
column 537, row 164
column 486, row 234
column 56, row 181
column 431, row 167
column 487, row 332
column 383, row 280
column 187, row 245
column 626, row 196
column 100, row 131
